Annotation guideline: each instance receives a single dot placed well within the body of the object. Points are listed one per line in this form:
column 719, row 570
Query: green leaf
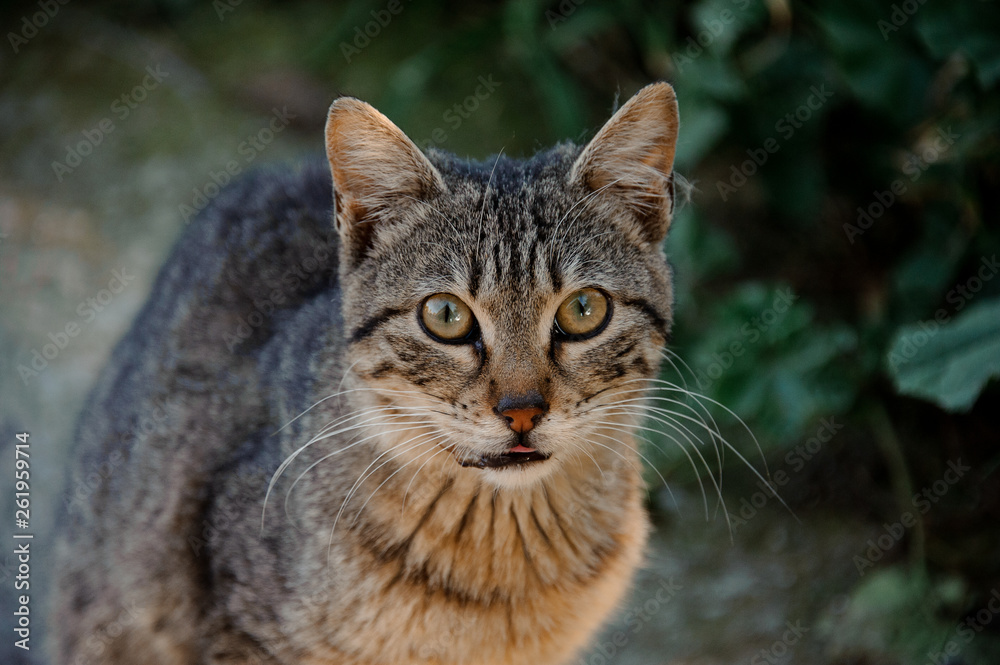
column 949, row 363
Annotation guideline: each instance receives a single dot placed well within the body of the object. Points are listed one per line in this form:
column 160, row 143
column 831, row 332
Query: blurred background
column 836, row 267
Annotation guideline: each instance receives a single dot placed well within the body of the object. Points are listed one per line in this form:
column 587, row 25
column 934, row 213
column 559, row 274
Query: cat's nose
column 521, row 412
column 521, row 420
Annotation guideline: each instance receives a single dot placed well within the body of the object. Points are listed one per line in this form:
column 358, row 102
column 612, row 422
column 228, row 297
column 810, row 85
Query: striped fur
column 303, row 500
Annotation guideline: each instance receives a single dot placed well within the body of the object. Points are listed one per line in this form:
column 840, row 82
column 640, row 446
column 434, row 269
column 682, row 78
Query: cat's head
column 496, row 310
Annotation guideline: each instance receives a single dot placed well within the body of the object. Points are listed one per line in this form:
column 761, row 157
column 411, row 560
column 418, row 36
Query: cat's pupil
column 446, row 312
column 582, row 306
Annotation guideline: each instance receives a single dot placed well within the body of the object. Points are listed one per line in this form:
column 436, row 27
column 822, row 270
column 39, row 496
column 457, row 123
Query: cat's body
column 466, row 499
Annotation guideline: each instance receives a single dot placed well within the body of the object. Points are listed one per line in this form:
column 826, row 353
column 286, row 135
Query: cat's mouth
column 516, row 456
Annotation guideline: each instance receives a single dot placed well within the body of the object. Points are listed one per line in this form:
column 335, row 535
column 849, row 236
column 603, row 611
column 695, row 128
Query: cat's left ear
column 376, row 171
column 630, row 163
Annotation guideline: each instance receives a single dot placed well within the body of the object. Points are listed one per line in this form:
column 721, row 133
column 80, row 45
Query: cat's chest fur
column 463, row 573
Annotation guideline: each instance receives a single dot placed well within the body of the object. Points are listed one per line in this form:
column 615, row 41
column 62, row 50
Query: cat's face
column 499, row 309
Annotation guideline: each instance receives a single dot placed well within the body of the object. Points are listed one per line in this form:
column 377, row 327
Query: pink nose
column 521, row 420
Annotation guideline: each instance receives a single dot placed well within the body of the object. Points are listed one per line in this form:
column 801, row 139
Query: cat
column 382, row 410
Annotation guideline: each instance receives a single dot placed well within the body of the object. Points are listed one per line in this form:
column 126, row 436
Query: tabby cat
column 383, row 417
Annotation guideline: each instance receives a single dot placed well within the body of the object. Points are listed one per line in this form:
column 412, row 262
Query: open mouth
column 516, row 456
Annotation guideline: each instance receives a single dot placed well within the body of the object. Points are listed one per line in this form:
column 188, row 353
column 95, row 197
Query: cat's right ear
column 376, row 170
column 629, row 165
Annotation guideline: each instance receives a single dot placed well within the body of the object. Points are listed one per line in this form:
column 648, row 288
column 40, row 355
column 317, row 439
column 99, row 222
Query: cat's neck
column 459, row 531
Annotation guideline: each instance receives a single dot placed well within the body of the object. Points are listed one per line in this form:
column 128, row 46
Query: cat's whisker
column 411, row 425
column 683, row 449
column 449, row 218
column 648, row 393
column 640, row 406
column 394, row 411
column 644, row 402
column 713, row 430
column 443, row 449
column 734, row 450
column 486, row 195
column 581, row 201
column 670, row 356
column 368, row 471
column 335, row 428
column 704, row 411
column 674, row 420
column 340, row 386
column 437, row 437
column 293, row 456
column 615, row 426
column 619, row 442
column 579, row 448
column 667, row 385
column 352, row 390
column 338, row 422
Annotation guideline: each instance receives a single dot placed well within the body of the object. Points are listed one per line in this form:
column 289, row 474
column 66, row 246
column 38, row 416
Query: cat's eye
column 446, row 318
column 583, row 314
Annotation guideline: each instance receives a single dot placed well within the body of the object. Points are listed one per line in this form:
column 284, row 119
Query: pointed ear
column 376, row 169
column 630, row 162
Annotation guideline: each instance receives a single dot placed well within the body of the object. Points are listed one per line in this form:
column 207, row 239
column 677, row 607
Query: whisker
column 618, row 441
column 486, row 195
column 612, row 426
column 438, row 437
column 666, row 385
column 679, row 427
column 291, row 458
column 735, row 451
column 694, row 467
column 412, row 426
column 352, row 390
column 704, row 412
column 580, row 448
column 367, row 473
column 713, row 432
column 584, row 199
column 416, row 473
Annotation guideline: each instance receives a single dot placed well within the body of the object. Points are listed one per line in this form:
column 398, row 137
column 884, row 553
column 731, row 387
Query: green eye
column 446, row 318
column 583, row 314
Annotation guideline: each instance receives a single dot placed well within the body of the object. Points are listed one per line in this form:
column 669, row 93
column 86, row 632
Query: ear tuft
column 376, row 169
column 631, row 160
